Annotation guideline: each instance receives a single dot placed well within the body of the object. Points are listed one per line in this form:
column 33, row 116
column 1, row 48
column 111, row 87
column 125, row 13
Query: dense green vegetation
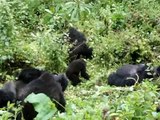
column 31, row 34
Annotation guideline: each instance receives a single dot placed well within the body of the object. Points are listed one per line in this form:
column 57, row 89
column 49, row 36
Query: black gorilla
column 75, row 68
column 80, row 50
column 29, row 74
column 128, row 75
column 75, row 36
column 49, row 84
column 44, row 84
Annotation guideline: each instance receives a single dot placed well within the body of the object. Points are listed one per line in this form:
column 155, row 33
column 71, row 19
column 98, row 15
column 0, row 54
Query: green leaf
column 43, row 105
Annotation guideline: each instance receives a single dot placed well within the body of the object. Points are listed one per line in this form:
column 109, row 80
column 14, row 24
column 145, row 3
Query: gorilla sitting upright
column 128, row 75
column 79, row 48
column 75, row 36
column 44, row 84
column 75, row 68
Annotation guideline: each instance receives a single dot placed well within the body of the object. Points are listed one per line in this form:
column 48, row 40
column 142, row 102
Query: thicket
column 120, row 31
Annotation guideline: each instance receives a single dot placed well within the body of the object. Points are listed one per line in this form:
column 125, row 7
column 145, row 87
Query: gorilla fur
column 80, row 50
column 44, row 84
column 75, row 68
column 62, row 79
column 48, row 84
column 75, row 36
column 29, row 74
column 129, row 74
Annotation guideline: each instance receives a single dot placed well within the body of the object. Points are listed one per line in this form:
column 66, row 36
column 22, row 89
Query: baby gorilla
column 80, row 50
column 75, row 36
column 44, row 84
column 75, row 68
column 128, row 75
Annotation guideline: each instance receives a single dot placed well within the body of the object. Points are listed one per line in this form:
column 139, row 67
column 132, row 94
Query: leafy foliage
column 42, row 104
column 120, row 31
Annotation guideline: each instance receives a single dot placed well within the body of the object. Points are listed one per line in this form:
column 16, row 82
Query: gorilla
column 75, row 68
column 75, row 36
column 44, row 84
column 80, row 50
column 130, row 74
column 29, row 74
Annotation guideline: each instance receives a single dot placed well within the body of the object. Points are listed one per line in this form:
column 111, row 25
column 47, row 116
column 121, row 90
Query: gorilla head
column 75, row 36
column 44, row 84
column 80, row 50
column 29, row 74
column 75, row 68
column 128, row 75
column 62, row 79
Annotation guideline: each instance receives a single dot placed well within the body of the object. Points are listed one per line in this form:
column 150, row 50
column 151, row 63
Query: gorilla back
column 128, row 75
column 47, row 85
column 75, row 68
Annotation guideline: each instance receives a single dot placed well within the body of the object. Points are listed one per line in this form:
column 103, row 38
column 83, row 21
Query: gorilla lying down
column 129, row 75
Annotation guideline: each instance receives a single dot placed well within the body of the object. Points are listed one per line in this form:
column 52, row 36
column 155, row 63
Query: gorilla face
column 75, row 68
column 128, row 75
